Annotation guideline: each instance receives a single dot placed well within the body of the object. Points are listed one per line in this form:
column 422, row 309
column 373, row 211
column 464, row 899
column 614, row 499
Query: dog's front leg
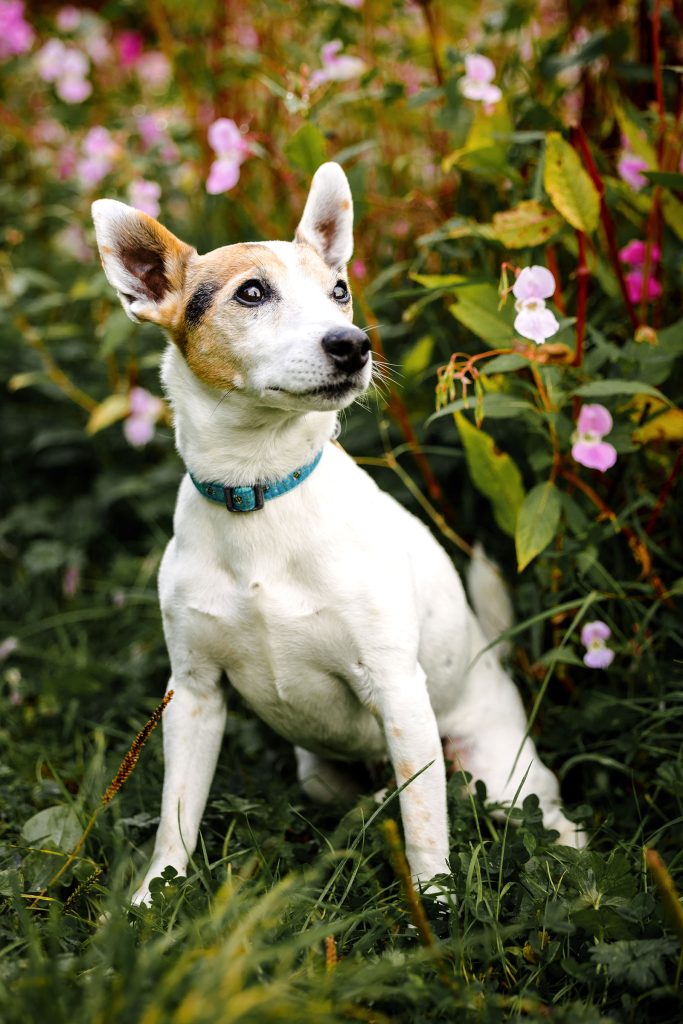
column 412, row 737
column 193, row 726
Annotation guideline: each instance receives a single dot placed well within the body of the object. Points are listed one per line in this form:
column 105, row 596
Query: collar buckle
column 235, row 502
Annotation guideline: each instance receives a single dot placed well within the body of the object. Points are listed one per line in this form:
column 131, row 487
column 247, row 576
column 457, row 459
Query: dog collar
column 250, row 499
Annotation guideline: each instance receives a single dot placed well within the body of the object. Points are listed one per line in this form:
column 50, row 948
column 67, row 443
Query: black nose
column 347, row 347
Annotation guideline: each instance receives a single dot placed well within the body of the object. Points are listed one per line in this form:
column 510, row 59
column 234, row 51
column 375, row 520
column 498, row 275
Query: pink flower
column 16, row 35
column 154, row 71
column 150, row 129
column 634, row 287
column 358, row 269
column 129, row 46
column 226, row 140
column 49, row 60
column 533, row 286
column 144, row 195
column 72, row 89
column 629, row 167
column 223, row 175
column 145, row 410
column 67, row 67
column 477, row 83
column 246, row 36
column 337, row 67
column 71, row 581
column 589, row 449
column 68, row 19
column 100, row 153
column 634, row 255
column 594, row 636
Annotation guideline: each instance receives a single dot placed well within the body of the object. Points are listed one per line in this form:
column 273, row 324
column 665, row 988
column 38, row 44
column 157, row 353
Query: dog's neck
column 229, row 439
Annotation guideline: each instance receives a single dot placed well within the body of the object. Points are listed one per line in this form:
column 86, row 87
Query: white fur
column 332, row 611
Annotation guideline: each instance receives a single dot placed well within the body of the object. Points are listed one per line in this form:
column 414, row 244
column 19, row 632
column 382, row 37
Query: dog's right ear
column 143, row 261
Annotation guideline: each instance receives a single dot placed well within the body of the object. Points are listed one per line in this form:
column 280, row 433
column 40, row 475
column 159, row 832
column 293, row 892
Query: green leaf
column 669, row 179
column 477, row 309
column 438, row 280
column 637, row 962
column 526, row 225
column 610, row 388
column 673, row 214
column 306, row 149
column 56, row 826
column 493, row 473
column 418, row 358
column 506, row 364
column 493, row 404
column 537, row 523
column 569, row 186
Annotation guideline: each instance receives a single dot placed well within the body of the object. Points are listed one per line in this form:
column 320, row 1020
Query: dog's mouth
column 331, row 392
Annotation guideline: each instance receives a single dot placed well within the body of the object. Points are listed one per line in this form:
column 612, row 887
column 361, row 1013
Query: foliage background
column 293, row 912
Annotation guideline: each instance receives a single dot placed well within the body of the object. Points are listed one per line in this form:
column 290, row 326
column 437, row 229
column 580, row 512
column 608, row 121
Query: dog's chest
column 287, row 644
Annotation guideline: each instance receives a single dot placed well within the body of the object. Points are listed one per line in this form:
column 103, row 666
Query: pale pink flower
column 533, row 286
column 593, row 637
column 7, row 647
column 226, row 140
column 629, row 168
column 16, row 35
column 97, row 46
column 49, row 60
column 358, row 269
column 356, row 4
column 100, row 151
column 73, row 241
column 154, row 71
column 144, row 195
column 588, row 448
column 129, row 46
column 150, row 129
column 145, row 410
column 246, row 36
column 337, row 67
column 223, row 175
column 73, row 89
column 68, row 19
column 67, row 161
column 478, row 81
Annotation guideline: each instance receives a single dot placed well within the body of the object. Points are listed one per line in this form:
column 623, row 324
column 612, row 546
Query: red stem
column 554, row 270
column 582, row 273
column 659, row 82
column 581, row 144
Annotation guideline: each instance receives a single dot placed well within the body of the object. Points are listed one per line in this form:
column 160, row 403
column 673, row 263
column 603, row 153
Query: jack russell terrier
column 330, row 608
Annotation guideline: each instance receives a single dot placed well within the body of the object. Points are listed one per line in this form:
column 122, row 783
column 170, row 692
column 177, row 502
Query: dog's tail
column 490, row 599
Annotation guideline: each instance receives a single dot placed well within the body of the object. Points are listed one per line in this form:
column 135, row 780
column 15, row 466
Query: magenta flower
column 593, row 637
column 130, row 46
column 633, row 255
column 359, row 270
column 533, row 286
column 589, row 449
column 16, row 35
column 337, row 66
column 478, row 81
column 144, row 195
column 145, row 410
column 629, row 167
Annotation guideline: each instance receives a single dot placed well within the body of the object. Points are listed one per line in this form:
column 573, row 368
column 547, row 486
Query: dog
column 330, row 608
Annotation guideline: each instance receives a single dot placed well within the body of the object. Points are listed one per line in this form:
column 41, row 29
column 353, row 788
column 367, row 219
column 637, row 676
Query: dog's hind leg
column 193, row 725
column 485, row 736
column 324, row 781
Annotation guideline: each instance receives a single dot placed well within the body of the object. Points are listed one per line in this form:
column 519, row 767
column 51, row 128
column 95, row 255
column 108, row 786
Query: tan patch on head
column 210, row 279
column 158, row 260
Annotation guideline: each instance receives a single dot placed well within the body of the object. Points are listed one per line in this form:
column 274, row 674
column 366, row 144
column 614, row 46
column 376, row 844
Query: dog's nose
column 347, row 347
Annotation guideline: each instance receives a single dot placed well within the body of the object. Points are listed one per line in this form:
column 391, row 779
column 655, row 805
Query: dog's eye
column 251, row 293
column 341, row 292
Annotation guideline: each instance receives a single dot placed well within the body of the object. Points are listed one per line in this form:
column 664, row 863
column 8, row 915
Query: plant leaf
column 569, row 186
column 608, row 388
column 477, row 309
column 306, row 149
column 112, row 409
column 526, row 225
column 537, row 522
column 492, row 472
column 56, row 826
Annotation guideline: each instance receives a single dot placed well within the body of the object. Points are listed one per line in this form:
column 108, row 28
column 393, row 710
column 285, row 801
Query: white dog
column 329, row 607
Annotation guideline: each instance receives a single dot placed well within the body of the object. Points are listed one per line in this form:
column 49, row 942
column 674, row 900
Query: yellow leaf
column 569, row 186
column 113, row 408
column 667, row 427
column 492, row 472
column 526, row 225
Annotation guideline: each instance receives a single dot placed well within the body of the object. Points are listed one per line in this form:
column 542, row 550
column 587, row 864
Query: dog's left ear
column 327, row 221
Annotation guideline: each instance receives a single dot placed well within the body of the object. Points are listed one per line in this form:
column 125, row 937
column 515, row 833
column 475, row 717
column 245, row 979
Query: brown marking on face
column 312, row 264
column 207, row 351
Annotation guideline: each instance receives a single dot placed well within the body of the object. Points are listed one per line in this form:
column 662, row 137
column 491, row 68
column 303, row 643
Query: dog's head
column 271, row 319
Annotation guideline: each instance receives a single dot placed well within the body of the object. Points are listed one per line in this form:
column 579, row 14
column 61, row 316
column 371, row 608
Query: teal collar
column 249, row 499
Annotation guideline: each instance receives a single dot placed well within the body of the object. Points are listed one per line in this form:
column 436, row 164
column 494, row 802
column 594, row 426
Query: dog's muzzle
column 348, row 348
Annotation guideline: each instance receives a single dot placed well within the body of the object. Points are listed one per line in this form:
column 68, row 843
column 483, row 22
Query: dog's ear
column 327, row 221
column 143, row 261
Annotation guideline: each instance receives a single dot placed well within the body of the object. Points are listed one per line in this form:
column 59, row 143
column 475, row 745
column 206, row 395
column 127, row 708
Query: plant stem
column 582, row 273
column 665, row 492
